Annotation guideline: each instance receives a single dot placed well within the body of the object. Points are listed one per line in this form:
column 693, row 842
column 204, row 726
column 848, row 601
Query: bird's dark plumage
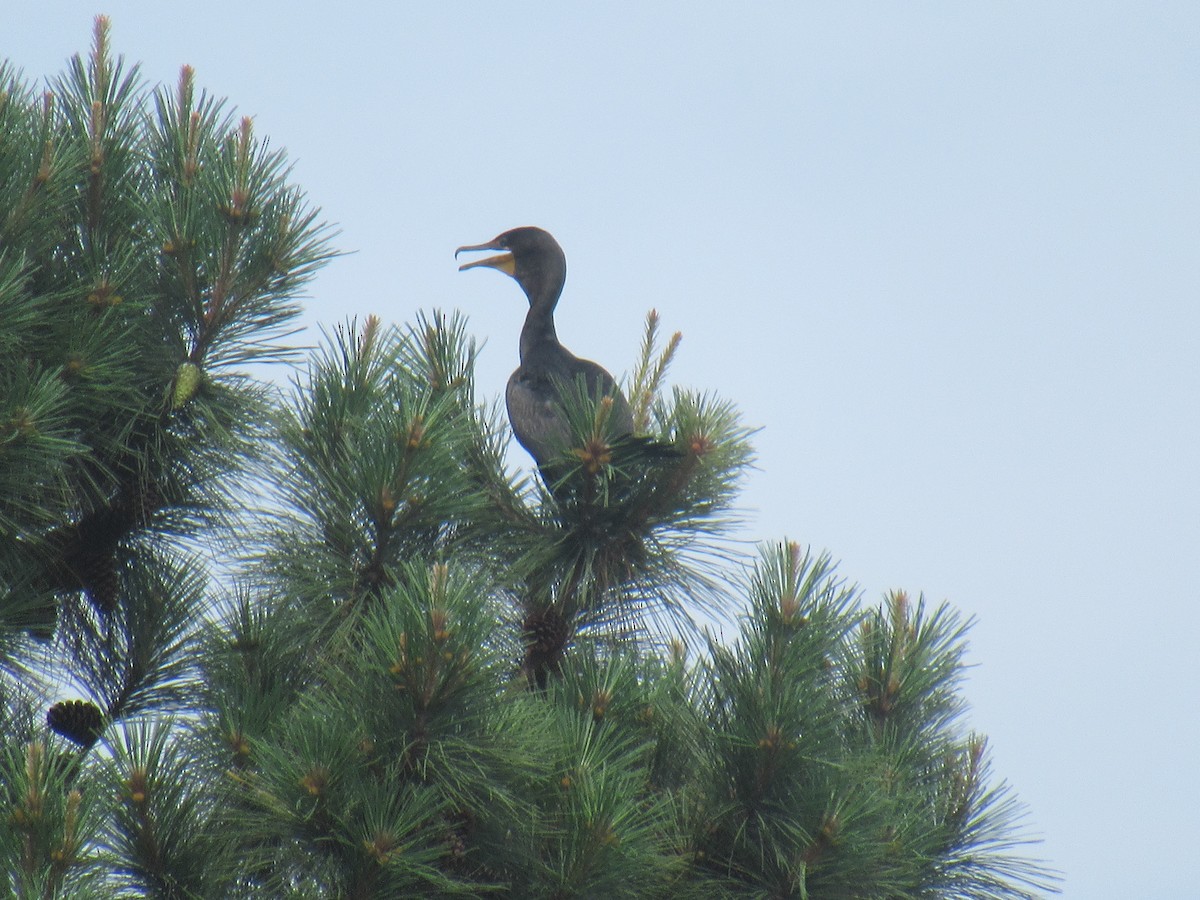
column 535, row 390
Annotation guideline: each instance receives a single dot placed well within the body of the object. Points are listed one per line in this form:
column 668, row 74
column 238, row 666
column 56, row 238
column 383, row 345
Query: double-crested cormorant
column 534, row 394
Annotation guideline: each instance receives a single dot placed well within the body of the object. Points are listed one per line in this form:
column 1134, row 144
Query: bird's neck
column 542, row 287
column 538, row 331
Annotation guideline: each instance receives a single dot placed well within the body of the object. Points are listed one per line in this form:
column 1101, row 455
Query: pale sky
column 945, row 254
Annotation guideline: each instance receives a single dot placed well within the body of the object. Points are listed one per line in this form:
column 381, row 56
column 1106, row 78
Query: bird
column 537, row 406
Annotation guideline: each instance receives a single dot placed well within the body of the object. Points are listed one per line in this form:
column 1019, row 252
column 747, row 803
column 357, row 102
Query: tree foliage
column 322, row 642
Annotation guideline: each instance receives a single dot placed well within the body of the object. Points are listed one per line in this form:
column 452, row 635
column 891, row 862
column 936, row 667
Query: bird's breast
column 535, row 412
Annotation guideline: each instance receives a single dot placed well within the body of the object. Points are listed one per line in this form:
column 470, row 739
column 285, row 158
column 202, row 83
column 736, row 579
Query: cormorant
column 534, row 393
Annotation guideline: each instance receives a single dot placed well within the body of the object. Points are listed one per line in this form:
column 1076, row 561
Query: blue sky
column 944, row 253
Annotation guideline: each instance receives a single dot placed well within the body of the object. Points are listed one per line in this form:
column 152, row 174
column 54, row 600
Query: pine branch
column 648, row 375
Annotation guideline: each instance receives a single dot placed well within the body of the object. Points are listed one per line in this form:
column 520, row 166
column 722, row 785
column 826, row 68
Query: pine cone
column 98, row 572
column 188, row 379
column 77, row 720
column 85, row 553
column 546, row 636
column 144, row 499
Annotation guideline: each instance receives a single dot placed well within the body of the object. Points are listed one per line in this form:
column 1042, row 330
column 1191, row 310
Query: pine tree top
column 323, row 643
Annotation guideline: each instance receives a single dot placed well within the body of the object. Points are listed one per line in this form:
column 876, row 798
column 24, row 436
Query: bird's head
column 530, row 255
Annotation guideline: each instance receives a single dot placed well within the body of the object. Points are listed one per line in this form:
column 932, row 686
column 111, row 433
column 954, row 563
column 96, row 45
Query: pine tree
column 410, row 672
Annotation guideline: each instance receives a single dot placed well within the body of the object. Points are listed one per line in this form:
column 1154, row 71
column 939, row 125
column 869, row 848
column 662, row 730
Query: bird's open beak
column 504, row 262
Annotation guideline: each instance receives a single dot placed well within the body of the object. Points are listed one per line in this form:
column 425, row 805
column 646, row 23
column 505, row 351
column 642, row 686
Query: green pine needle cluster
column 325, row 643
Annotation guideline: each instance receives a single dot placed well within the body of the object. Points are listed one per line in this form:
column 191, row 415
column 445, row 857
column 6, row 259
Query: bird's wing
column 600, row 382
column 535, row 407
